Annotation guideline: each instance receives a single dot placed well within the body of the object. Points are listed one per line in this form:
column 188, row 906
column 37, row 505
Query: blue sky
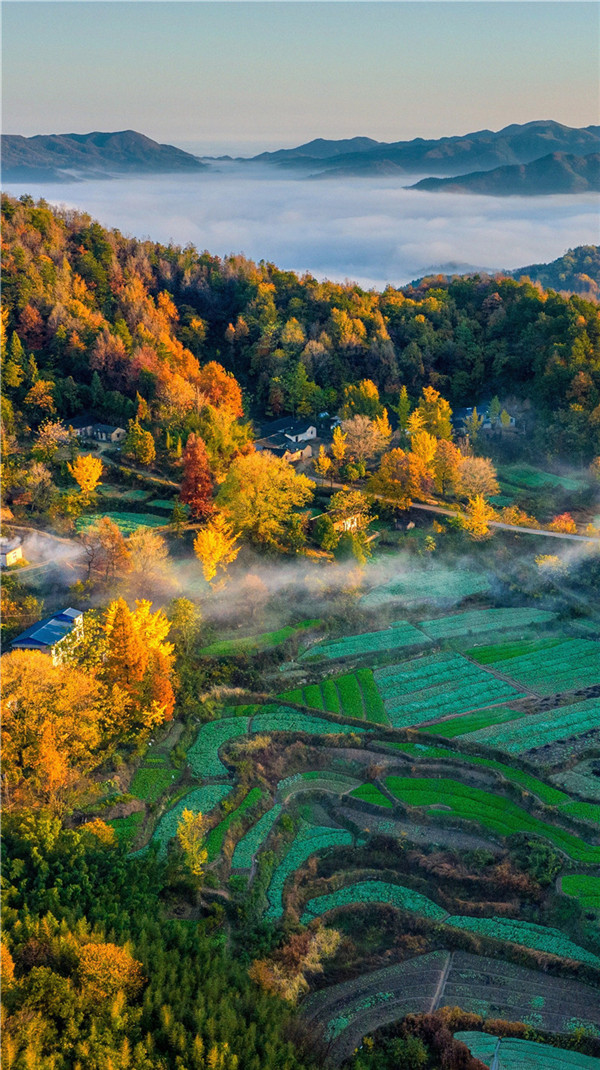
column 241, row 77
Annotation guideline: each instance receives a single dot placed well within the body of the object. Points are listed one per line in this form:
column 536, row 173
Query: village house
column 47, row 634
column 288, row 438
column 10, row 552
column 282, row 447
column 293, row 429
column 86, row 427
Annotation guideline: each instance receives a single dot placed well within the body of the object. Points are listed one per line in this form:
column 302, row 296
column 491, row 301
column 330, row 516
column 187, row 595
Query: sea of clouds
column 369, row 230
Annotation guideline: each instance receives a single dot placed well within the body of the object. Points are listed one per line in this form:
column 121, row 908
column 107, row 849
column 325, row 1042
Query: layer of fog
column 371, row 231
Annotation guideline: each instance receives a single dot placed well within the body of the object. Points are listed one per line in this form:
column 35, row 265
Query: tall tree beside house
column 126, row 658
column 436, row 413
column 139, row 444
column 197, row 486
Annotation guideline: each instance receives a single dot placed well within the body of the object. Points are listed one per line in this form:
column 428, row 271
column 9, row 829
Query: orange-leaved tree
column 53, row 720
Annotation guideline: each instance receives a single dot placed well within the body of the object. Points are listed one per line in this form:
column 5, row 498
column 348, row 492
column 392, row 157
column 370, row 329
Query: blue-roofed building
column 47, row 634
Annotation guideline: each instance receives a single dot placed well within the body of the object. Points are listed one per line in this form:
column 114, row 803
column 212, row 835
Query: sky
column 243, row 77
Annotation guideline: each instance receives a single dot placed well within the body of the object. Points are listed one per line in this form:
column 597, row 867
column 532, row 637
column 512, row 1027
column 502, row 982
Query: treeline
column 95, row 975
column 94, row 319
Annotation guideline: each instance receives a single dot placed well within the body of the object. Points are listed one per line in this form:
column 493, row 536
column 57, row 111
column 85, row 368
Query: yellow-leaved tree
column 216, row 546
column 86, row 471
column 479, row 514
column 190, row 833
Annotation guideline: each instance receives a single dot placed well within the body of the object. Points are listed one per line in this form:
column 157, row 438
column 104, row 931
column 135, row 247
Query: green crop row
column 374, row 708
column 526, row 934
column 126, row 522
column 200, row 801
column 497, row 652
column 472, row 722
column 254, row 838
column 150, row 781
column 536, row 730
column 549, row 795
column 584, row 888
column 399, row 634
column 310, row 839
column 284, row 719
column 373, row 892
column 125, row 828
column 214, row 840
column 418, row 690
column 370, row 793
column 493, row 812
column 484, row 620
column 203, row 755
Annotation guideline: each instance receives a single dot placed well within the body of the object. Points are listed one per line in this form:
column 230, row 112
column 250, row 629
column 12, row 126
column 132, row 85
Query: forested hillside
column 93, row 318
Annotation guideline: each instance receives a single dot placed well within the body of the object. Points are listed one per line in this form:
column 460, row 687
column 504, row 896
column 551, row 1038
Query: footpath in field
column 485, row 986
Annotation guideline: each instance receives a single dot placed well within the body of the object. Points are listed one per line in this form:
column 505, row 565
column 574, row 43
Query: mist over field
column 371, row 231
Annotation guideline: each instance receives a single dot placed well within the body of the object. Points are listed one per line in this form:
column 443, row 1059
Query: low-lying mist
column 371, row 231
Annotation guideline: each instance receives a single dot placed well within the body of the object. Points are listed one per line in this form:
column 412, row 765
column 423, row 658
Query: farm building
column 86, row 427
column 282, row 447
column 293, row 430
column 10, row 552
column 47, row 634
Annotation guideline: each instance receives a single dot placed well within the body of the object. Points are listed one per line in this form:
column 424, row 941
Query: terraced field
column 584, row 888
column 316, row 780
column 583, row 779
column 571, row 663
column 249, row 845
column 373, row 891
column 200, row 801
column 216, row 837
column 347, row 1011
column 398, row 636
column 540, row 729
column 203, row 755
column 510, row 1053
column 490, row 987
column 126, row 522
column 309, row 840
column 285, row 719
column 526, row 934
column 479, row 621
column 253, row 643
column 443, row 586
column 497, row 989
column 436, row 686
column 493, row 812
column 353, row 694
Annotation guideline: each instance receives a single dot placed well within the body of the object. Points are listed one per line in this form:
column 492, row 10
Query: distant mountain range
column 60, row 157
column 538, row 157
column 558, row 172
column 447, row 156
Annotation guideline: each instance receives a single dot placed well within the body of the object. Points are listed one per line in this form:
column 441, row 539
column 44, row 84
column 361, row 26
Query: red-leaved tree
column 197, row 486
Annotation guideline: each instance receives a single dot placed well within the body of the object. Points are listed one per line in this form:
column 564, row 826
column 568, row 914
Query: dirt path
column 438, row 995
column 439, row 509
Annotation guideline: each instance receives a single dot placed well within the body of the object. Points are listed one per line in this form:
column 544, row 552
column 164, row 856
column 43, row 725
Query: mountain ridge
column 556, row 173
column 52, row 157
